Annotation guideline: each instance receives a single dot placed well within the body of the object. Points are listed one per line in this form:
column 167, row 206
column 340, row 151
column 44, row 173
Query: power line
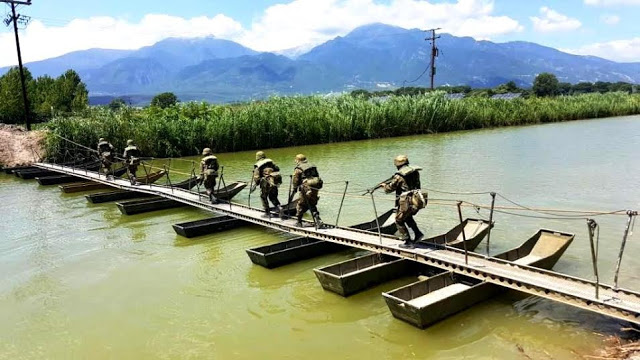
column 23, row 20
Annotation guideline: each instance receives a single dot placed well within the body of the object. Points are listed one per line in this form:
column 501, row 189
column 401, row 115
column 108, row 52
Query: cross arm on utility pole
column 28, row 2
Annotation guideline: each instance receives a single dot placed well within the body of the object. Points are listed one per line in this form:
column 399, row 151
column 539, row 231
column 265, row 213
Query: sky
column 605, row 28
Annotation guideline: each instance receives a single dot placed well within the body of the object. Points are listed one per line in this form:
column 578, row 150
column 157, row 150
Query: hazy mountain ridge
column 369, row 57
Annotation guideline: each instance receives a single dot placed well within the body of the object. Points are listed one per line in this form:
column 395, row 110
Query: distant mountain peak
column 375, row 29
column 210, row 68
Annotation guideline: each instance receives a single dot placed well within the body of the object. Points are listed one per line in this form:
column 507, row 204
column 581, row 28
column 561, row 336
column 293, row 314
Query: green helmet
column 206, row 152
column 101, row 140
column 260, row 155
column 129, row 142
column 401, row 160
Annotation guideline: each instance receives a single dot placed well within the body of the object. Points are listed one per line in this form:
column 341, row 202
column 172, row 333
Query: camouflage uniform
column 307, row 180
column 106, row 151
column 131, row 156
column 409, row 200
column 209, row 172
column 266, row 175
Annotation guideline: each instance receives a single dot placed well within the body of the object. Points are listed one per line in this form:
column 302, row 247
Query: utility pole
column 434, row 52
column 23, row 20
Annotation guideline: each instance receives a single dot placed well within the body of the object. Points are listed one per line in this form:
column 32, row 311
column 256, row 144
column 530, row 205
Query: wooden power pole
column 15, row 19
column 434, row 53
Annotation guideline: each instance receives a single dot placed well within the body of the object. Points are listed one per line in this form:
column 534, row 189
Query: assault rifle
column 254, row 186
column 371, row 190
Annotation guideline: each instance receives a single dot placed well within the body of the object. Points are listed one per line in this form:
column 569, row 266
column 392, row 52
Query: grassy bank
column 186, row 129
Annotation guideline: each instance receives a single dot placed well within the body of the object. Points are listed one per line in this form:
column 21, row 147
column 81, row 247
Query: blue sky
column 606, row 28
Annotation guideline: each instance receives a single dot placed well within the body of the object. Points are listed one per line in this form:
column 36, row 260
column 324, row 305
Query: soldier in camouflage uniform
column 208, row 173
column 409, row 199
column 132, row 160
column 266, row 174
column 306, row 180
column 106, row 152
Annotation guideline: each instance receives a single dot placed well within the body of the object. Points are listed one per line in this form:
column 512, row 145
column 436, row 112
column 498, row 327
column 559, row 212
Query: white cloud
column 610, row 19
column 618, row 50
column 299, row 23
column 611, row 2
column 39, row 41
column 552, row 20
column 313, row 21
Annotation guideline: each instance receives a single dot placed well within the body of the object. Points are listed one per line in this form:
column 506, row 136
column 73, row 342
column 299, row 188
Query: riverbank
column 186, row 129
column 618, row 349
column 19, row 147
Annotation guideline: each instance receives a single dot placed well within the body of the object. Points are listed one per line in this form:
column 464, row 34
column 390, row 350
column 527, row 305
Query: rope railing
column 353, row 190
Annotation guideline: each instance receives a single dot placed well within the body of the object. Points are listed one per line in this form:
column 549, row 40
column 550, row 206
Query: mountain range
column 370, row 57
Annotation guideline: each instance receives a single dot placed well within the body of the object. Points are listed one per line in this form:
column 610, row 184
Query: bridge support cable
column 594, row 231
column 631, row 222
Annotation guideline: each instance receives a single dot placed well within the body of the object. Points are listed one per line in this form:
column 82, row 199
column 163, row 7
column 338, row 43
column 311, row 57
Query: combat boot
column 280, row 212
column 267, row 214
column 213, row 199
column 299, row 222
column 404, row 236
column 318, row 221
column 418, row 235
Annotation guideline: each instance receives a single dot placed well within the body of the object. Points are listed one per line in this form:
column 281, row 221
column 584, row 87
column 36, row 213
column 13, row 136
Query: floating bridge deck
column 618, row 303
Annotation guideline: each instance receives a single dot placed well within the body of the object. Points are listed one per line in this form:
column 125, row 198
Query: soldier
column 208, row 173
column 266, row 174
column 409, row 199
column 106, row 152
column 306, row 180
column 132, row 160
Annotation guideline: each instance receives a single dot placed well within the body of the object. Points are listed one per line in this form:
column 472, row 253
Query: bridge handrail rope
column 549, row 213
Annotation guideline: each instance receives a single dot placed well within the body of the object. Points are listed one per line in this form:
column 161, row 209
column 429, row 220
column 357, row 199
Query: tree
column 545, row 84
column 70, row 93
column 117, row 104
column 564, row 88
column 43, row 97
column 361, row 93
column 621, row 86
column 11, row 102
column 164, row 100
column 601, row 87
column 509, row 87
column 583, row 88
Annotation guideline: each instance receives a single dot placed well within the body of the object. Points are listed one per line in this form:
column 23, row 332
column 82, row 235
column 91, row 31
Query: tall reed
column 186, row 129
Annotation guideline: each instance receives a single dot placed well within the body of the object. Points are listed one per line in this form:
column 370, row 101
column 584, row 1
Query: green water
column 83, row 281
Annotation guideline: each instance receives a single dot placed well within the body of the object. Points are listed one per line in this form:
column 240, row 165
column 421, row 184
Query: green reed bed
column 288, row 121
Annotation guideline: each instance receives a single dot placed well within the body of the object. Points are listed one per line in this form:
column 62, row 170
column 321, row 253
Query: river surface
column 82, row 281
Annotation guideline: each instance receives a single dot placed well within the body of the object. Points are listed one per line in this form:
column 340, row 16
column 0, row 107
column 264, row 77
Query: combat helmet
column 129, row 142
column 300, row 158
column 401, row 160
column 206, row 151
column 101, row 140
column 260, row 155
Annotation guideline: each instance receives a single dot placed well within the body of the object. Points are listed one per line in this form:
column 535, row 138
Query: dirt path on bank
column 18, row 146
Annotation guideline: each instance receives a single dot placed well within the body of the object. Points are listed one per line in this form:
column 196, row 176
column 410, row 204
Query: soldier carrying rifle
column 208, row 173
column 107, row 155
column 409, row 199
column 307, row 180
column 266, row 174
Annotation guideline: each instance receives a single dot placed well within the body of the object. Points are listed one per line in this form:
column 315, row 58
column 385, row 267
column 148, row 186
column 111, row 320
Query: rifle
column 254, row 185
column 292, row 194
column 371, row 190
